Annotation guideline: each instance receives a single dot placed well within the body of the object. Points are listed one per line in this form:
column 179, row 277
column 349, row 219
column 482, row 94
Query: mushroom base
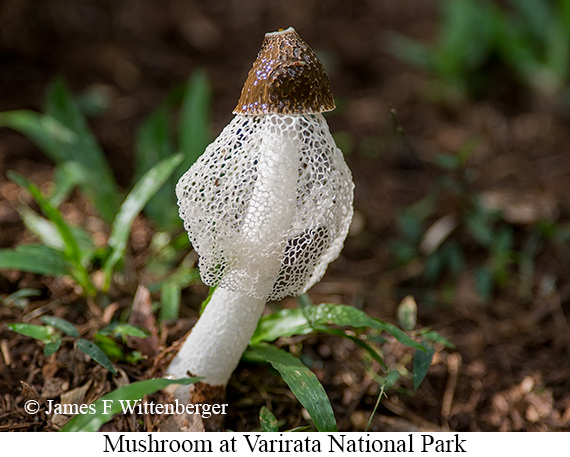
column 217, row 341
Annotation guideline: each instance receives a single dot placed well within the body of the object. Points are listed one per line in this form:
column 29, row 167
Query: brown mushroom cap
column 286, row 78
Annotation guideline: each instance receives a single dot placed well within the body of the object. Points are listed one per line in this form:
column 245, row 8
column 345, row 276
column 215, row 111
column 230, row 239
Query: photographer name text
column 135, row 406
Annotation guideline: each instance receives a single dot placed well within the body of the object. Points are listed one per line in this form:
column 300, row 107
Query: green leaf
column 91, row 422
column 124, row 330
column 345, row 315
column 392, row 378
column 134, row 357
column 284, row 323
column 38, row 332
column 267, row 420
column 154, row 143
column 62, row 187
column 422, row 362
column 49, row 235
column 19, row 299
column 437, row 338
column 71, row 247
column 289, row 322
column 45, row 131
column 194, row 124
column 61, row 324
column 62, row 134
column 44, row 229
column 95, row 179
column 302, row 382
column 169, row 301
column 371, row 351
column 536, row 16
column 91, row 349
column 108, row 345
column 52, row 346
column 138, row 197
column 35, row 258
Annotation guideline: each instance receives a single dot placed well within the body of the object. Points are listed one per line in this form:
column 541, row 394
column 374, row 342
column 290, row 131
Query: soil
column 510, row 369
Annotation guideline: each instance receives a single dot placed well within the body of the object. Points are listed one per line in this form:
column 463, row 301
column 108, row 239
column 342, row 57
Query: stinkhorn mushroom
column 267, row 206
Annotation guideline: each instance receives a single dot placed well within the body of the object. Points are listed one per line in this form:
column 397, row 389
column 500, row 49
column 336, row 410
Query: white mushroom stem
column 219, row 338
column 221, row 335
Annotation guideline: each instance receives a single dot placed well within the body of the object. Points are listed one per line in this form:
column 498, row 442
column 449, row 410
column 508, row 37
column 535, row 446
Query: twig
column 380, row 394
column 453, row 366
column 6, row 352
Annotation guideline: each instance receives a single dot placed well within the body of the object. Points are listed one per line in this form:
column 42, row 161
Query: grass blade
column 45, row 230
column 49, row 134
column 302, row 382
column 169, row 301
column 63, row 186
column 434, row 336
column 71, row 246
column 422, row 362
column 35, row 258
column 96, row 179
column 61, row 324
column 91, row 349
column 91, row 422
column 286, row 322
column 117, row 329
column 194, row 124
column 369, row 349
column 20, row 298
column 38, row 332
column 344, row 315
column 154, row 143
column 139, row 196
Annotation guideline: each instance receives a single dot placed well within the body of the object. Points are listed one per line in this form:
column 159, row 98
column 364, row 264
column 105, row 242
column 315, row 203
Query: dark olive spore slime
column 287, row 78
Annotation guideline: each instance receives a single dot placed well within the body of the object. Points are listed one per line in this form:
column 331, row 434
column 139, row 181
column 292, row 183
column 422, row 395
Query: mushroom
column 267, row 206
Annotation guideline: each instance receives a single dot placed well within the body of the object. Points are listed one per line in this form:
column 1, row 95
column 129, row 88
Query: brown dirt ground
column 510, row 369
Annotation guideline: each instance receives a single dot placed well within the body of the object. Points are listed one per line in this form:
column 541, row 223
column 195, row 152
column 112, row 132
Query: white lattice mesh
column 234, row 203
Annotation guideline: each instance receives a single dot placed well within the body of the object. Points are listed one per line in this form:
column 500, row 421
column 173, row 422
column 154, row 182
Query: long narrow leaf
column 169, row 301
column 286, row 322
column 49, row 134
column 113, row 402
column 371, row 351
column 297, row 321
column 154, row 143
column 71, row 246
column 344, row 315
column 96, row 179
column 302, row 382
column 38, row 332
column 61, row 324
column 45, row 230
column 422, row 362
column 65, row 146
column 63, row 186
column 35, row 258
column 193, row 128
column 91, row 349
column 139, row 196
